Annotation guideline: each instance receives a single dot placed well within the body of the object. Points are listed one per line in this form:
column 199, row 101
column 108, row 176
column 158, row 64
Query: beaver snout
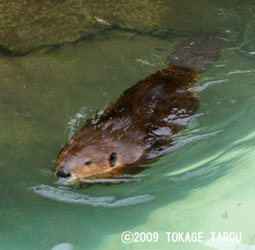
column 64, row 171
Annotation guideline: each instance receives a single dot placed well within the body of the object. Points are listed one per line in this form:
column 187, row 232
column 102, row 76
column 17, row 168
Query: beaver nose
column 64, row 171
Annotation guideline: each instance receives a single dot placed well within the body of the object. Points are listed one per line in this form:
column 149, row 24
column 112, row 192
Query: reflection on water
column 180, row 141
column 228, row 245
column 65, row 195
column 63, row 246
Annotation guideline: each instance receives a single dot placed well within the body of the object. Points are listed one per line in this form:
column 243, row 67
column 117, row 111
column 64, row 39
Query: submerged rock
column 26, row 25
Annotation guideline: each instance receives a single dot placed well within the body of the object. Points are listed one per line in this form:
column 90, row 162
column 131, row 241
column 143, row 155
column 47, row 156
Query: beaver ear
column 113, row 159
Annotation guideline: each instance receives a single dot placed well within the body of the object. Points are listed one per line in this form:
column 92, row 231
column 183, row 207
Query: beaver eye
column 87, row 163
column 113, row 159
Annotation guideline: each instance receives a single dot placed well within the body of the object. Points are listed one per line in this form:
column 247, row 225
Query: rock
column 26, row 25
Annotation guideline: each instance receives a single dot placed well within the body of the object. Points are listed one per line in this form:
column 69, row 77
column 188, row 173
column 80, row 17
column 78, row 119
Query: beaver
column 143, row 119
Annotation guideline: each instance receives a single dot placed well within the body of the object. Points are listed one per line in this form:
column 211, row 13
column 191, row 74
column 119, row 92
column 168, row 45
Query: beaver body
column 142, row 120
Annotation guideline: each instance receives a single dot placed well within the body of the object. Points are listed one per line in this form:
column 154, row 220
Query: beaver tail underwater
column 143, row 119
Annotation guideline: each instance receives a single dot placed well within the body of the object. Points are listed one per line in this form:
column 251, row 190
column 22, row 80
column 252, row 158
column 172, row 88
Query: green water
column 205, row 184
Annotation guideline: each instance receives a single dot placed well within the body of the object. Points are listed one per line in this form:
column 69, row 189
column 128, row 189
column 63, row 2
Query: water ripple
column 64, row 195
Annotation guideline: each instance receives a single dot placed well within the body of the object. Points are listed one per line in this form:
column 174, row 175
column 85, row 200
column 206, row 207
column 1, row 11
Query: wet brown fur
column 143, row 119
column 145, row 116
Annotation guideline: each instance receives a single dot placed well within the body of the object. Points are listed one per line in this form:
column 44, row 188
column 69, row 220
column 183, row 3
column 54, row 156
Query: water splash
column 75, row 121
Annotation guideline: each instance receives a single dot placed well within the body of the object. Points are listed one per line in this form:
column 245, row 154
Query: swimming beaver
column 143, row 119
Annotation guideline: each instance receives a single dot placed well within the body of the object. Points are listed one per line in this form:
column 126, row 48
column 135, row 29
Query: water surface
column 206, row 182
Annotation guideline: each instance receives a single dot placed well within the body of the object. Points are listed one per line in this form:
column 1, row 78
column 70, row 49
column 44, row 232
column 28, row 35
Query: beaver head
column 96, row 154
